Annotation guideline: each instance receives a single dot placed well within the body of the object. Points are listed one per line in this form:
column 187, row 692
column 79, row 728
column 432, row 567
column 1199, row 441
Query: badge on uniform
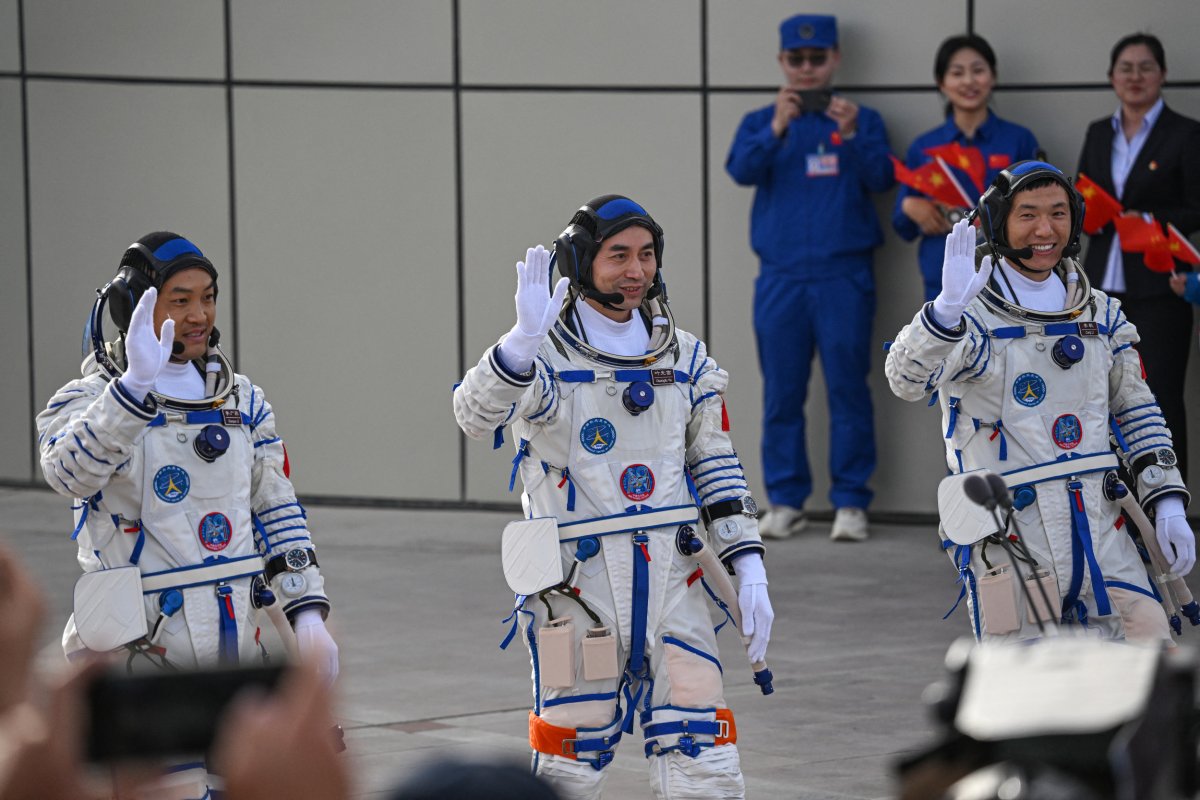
column 597, row 435
column 662, row 377
column 822, row 165
column 231, row 416
column 1068, row 432
column 1089, row 329
column 1029, row 389
column 172, row 483
column 215, row 531
column 999, row 160
column 637, row 482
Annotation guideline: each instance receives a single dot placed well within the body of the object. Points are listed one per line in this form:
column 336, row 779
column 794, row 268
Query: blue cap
column 808, row 30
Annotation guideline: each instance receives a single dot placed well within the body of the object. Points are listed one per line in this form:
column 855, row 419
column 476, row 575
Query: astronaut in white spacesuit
column 186, row 521
column 620, row 432
column 1036, row 374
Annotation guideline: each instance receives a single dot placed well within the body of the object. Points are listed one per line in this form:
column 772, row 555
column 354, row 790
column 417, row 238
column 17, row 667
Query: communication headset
column 577, row 245
column 996, row 203
column 147, row 263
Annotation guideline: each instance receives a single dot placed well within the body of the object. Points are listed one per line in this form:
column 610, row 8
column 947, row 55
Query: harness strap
column 640, row 519
column 201, row 574
column 212, row 416
column 1051, row 329
column 655, row 377
column 1081, row 552
column 1063, row 468
column 556, row 741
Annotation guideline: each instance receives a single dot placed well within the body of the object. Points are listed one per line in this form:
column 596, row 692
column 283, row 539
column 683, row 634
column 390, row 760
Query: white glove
column 755, row 605
column 145, row 353
column 536, row 309
column 1175, row 536
column 315, row 643
column 960, row 281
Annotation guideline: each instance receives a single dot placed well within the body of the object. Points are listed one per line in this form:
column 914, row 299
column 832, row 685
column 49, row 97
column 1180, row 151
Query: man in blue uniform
column 814, row 157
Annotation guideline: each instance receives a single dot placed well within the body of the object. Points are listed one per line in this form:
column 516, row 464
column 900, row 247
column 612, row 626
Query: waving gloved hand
column 536, row 309
column 145, row 353
column 1175, row 537
column 315, row 643
column 960, row 281
column 755, row 605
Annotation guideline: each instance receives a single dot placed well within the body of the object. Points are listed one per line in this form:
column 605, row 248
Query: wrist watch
column 297, row 559
column 1151, row 467
column 744, row 505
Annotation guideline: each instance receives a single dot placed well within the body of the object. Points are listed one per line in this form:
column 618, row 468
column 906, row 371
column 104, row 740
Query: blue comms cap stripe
column 1030, row 166
column 619, row 207
column 175, row 248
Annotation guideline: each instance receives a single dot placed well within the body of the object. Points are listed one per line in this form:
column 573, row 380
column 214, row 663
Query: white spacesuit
column 1035, row 394
column 192, row 494
column 606, row 446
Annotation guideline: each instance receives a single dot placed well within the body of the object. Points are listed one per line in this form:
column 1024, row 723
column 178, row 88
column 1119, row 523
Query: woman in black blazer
column 1148, row 157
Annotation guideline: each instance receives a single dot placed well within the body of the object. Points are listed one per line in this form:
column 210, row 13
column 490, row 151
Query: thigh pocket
column 694, row 675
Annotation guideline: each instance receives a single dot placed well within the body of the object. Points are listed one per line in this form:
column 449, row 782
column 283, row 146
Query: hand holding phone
column 814, row 100
column 158, row 715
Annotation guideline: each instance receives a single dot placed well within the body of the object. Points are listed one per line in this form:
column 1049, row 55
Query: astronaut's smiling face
column 1041, row 220
column 190, row 298
column 624, row 265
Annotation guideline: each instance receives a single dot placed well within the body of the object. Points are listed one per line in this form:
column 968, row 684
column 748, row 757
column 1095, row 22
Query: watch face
column 728, row 529
column 1166, row 458
column 749, row 507
column 296, row 559
column 1153, row 475
column 293, row 584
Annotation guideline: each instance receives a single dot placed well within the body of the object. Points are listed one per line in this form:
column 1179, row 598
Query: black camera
column 1066, row 718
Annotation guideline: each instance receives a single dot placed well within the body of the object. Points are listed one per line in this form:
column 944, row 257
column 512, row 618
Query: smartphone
column 159, row 715
column 814, row 99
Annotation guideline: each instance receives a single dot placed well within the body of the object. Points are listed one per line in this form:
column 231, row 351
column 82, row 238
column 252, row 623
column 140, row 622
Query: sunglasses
column 798, row 59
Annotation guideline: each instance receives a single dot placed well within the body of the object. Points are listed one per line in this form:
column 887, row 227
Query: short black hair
column 969, row 41
column 1150, row 40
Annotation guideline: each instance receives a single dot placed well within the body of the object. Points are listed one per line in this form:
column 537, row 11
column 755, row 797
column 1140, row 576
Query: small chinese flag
column 1100, row 207
column 1146, row 237
column 1181, row 247
column 934, row 180
column 968, row 159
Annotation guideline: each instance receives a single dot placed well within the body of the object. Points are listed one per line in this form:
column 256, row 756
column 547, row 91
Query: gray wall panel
column 161, row 38
column 1092, row 27
column 878, row 46
column 524, row 180
column 356, row 40
column 96, row 187
column 580, row 42
column 347, row 284
column 10, row 44
column 16, row 427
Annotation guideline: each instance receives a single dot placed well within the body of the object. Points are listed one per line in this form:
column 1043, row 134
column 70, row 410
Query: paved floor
column 419, row 599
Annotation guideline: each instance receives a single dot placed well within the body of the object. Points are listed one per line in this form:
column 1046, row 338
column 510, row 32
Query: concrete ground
column 418, row 603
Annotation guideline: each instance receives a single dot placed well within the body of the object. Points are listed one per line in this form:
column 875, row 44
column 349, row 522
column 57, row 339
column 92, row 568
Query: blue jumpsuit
column 813, row 226
column 1001, row 143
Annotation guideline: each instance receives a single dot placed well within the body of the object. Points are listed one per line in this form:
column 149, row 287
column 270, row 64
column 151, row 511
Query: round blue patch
column 171, row 483
column 1029, row 389
column 597, row 435
column 1068, row 432
column 637, row 482
column 215, row 531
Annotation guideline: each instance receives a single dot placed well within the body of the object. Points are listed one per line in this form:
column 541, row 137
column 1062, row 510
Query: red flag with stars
column 968, row 159
column 1146, row 237
column 934, row 180
column 1181, row 246
column 1101, row 207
